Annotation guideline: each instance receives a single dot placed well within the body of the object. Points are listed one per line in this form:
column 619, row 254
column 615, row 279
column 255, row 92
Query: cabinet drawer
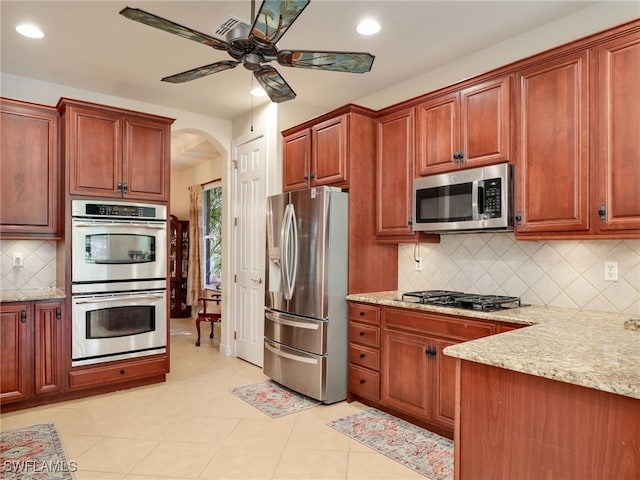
column 364, row 334
column 104, row 375
column 367, row 357
column 361, row 312
column 364, row 382
column 440, row 325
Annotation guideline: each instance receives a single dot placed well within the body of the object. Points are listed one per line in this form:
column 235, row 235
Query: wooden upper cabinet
column 552, row 141
column 394, row 172
column 618, row 150
column 296, row 160
column 317, row 155
column 465, row 128
column 115, row 153
column 29, row 168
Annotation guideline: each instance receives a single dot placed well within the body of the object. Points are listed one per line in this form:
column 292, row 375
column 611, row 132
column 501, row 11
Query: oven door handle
column 153, row 226
column 118, row 297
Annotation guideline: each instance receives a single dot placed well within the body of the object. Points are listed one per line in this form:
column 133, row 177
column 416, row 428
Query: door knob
column 258, row 281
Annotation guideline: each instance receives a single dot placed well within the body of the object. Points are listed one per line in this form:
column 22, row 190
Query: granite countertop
column 587, row 348
column 28, row 295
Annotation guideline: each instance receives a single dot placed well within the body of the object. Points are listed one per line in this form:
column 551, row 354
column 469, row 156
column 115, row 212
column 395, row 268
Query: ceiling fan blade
column 172, row 27
column 275, row 86
column 350, row 62
column 201, row 71
column 274, row 18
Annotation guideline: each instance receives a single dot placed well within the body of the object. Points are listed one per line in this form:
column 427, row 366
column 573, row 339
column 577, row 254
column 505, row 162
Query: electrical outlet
column 418, row 263
column 18, row 259
column 611, row 271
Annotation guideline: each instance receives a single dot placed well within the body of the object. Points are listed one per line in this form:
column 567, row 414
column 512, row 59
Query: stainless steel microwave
column 477, row 199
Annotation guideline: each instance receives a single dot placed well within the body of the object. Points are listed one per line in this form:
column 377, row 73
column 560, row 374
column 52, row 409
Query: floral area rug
column 274, row 399
column 35, row 453
column 419, row 449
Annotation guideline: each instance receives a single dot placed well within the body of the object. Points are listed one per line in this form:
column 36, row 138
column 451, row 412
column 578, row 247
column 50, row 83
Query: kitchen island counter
column 587, row 348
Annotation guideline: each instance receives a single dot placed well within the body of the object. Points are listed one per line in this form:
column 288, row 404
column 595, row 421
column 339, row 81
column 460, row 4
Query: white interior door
column 249, row 246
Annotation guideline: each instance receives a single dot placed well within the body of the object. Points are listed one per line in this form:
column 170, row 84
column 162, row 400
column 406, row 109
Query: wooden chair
column 205, row 316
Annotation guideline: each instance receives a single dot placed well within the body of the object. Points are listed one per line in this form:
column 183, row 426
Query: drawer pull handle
column 362, row 355
column 361, row 313
column 362, row 380
column 121, row 372
column 362, row 334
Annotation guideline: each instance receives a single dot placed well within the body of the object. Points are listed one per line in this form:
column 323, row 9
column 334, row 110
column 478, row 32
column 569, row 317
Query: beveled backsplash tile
column 39, row 270
column 564, row 273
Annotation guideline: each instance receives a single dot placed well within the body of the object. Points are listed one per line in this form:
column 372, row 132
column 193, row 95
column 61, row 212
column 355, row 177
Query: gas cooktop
column 467, row 301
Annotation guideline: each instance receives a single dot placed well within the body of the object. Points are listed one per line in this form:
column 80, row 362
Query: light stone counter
column 586, row 348
column 28, row 295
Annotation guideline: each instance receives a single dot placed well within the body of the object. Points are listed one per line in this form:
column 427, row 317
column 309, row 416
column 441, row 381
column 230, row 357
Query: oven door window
column 124, row 321
column 449, row 203
column 119, row 248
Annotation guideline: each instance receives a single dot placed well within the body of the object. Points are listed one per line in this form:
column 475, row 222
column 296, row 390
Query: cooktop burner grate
column 463, row 300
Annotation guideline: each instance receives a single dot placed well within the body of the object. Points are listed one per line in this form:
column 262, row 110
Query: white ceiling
column 88, row 45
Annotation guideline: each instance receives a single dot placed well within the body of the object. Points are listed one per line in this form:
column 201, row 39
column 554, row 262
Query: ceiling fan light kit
column 255, row 46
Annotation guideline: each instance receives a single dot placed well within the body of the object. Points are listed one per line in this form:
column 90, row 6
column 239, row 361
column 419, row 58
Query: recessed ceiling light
column 368, row 27
column 258, row 92
column 29, row 30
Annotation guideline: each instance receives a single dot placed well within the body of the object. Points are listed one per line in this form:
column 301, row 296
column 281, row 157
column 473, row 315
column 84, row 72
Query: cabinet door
column 296, row 158
column 438, row 134
column 48, row 352
column 395, row 176
column 145, row 168
column 29, row 165
column 15, row 371
column 406, row 377
column 445, row 391
column 618, row 113
column 94, row 150
column 329, row 152
column 552, row 167
column 485, row 121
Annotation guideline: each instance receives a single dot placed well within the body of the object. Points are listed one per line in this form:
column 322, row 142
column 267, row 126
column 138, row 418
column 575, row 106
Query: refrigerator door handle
column 296, row 358
column 289, row 242
column 294, row 256
column 284, row 252
column 290, row 323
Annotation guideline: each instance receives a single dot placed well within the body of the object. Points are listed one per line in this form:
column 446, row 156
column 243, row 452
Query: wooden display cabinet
column 178, row 268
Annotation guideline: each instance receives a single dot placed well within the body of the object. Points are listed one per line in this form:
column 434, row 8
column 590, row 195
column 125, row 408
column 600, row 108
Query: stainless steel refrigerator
column 305, row 326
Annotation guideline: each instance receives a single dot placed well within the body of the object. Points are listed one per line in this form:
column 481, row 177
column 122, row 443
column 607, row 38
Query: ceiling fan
column 254, row 46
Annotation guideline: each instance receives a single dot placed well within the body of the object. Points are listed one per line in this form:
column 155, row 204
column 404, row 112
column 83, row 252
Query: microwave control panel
column 492, row 198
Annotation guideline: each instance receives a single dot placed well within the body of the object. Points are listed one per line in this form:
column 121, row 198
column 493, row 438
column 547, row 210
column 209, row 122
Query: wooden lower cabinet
column 129, row 370
column 520, row 426
column 364, row 351
column 31, row 354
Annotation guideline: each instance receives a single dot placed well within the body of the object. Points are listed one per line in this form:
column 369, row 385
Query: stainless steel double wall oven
column 119, row 280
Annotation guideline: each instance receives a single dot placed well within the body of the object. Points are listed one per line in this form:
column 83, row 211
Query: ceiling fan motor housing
column 252, row 62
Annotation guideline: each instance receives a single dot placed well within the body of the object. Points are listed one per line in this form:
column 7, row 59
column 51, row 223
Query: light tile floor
column 192, row 427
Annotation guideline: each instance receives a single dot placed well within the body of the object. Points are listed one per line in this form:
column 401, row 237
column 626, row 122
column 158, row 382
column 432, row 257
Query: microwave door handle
column 474, row 200
column 480, row 198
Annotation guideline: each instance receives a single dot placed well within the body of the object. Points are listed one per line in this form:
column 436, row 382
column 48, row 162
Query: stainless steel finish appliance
column 118, row 280
column 477, row 199
column 118, row 241
column 467, row 301
column 305, row 344
column 124, row 320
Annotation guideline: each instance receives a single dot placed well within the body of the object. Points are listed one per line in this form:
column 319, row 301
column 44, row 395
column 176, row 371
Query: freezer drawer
column 302, row 333
column 300, row 371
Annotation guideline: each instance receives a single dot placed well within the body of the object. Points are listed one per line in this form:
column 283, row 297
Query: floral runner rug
column 35, row 453
column 421, row 450
column 274, row 399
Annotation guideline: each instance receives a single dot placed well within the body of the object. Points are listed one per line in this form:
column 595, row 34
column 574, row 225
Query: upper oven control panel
column 141, row 211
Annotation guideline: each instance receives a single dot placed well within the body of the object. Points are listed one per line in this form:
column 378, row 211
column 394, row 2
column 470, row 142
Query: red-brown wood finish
column 618, row 148
column 553, row 145
column 512, row 425
column 474, row 121
column 16, row 373
column 394, row 170
column 115, row 153
column 364, row 351
column 296, row 160
column 330, row 142
column 48, row 354
column 30, row 171
column 114, row 373
column 178, row 257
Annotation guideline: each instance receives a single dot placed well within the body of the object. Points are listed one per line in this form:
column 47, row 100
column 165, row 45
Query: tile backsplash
column 556, row 273
column 39, row 259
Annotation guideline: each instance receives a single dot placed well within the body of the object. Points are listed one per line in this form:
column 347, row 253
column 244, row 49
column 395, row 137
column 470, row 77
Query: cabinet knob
column 313, row 175
column 306, row 177
column 125, row 187
column 602, row 211
column 362, row 355
column 119, row 187
column 58, row 313
column 122, row 372
column 361, row 333
column 23, row 316
column 361, row 313
column 362, row 381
